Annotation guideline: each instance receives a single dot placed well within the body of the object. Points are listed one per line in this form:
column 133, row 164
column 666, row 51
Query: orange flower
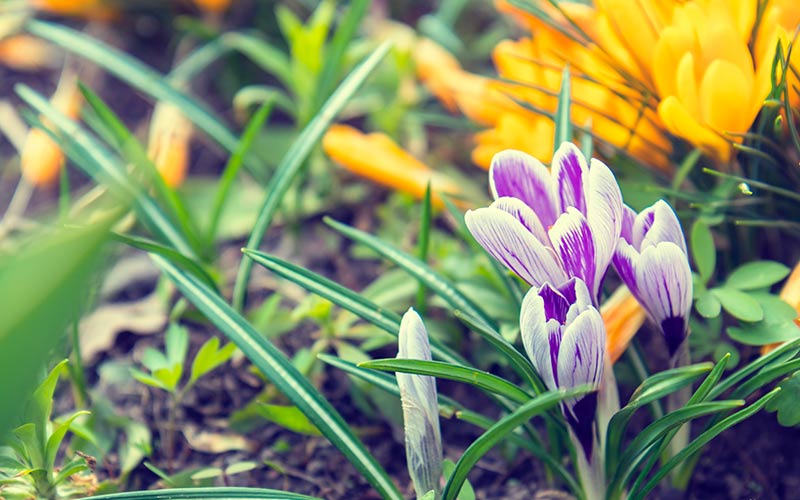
column 168, row 146
column 41, row 159
column 97, row 10
column 26, row 53
column 790, row 293
column 779, row 23
column 623, row 316
column 378, row 158
column 213, row 6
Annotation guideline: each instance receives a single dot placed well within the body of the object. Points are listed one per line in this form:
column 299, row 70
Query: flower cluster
column 639, row 71
column 559, row 230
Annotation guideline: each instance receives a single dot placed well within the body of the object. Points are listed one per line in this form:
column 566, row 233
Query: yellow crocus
column 378, row 158
column 779, row 24
column 623, row 317
column 97, row 10
column 169, row 141
column 710, row 87
column 41, row 158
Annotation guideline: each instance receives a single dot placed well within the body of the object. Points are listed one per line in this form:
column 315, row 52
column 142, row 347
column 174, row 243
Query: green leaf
column 701, row 441
column 346, row 299
column 54, row 441
column 467, row 492
column 708, row 305
column 787, row 402
column 759, row 274
column 280, row 371
column 209, row 357
column 562, row 118
column 39, row 287
column 288, row 417
column 478, row 378
column 763, row 333
column 293, row 160
column 767, row 360
column 704, row 253
column 150, row 380
column 739, row 304
column 206, row 494
column 500, row 430
column 176, row 342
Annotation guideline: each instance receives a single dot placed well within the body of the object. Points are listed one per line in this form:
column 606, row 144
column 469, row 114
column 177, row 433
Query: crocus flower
column 420, row 408
column 651, row 259
column 41, row 158
column 549, row 225
column 564, row 337
column 169, row 141
column 378, row 158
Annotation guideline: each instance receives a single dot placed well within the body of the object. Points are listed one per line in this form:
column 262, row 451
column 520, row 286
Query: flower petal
column 628, row 220
column 577, row 294
column 664, row 227
column 604, row 214
column 625, row 260
column 523, row 213
column 520, row 175
column 664, row 281
column 541, row 344
column 507, row 240
column 583, row 345
column 569, row 170
column 574, row 244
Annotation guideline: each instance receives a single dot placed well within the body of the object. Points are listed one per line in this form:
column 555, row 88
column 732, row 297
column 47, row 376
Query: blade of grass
column 282, row 373
column 500, row 430
column 293, row 160
column 562, row 118
column 423, row 244
column 478, row 378
column 221, row 493
column 346, row 299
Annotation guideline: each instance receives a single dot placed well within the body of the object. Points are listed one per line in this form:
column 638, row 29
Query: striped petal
column 580, row 358
column 664, row 227
column 628, row 221
column 507, row 240
column 569, row 172
column 541, row 343
column 625, row 260
column 604, row 213
column 520, row 175
column 524, row 214
column 574, row 244
column 664, row 282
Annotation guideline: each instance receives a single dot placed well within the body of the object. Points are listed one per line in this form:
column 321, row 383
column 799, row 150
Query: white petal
column 665, row 227
column 520, row 175
column 664, row 281
column 536, row 337
column 525, row 214
column 569, row 173
column 604, row 213
column 580, row 359
column 507, row 240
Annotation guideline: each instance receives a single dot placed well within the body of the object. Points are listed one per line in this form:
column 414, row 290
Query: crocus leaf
column 206, row 494
column 759, row 274
column 288, row 417
column 739, row 304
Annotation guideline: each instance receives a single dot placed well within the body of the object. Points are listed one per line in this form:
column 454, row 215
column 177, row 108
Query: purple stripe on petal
column 625, row 260
column 628, row 220
column 664, row 281
column 525, row 215
column 520, row 175
column 580, row 359
column 580, row 417
column 568, row 170
column 642, row 224
column 508, row 241
column 555, row 304
column 536, row 337
column 604, row 213
column 674, row 330
column 573, row 242
column 578, row 295
column 665, row 227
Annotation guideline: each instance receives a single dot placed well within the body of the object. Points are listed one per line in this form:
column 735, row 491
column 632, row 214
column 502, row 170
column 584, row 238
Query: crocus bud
column 564, row 337
column 651, row 259
column 168, row 145
column 420, row 409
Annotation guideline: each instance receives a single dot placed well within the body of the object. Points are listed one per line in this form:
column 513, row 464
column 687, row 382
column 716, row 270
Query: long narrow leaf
column 206, row 493
column 281, row 372
column 501, row 429
column 293, row 160
column 438, row 369
column 346, row 299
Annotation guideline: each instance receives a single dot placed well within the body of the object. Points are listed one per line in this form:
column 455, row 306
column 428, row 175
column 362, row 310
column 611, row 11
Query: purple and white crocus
column 651, row 259
column 420, row 409
column 550, row 225
column 565, row 339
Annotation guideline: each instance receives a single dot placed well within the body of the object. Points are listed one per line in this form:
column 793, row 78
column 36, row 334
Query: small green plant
column 166, row 370
column 29, row 466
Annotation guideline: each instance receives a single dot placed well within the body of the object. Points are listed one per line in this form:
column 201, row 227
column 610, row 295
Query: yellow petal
column 635, row 28
column 725, row 94
column 26, row 53
column 686, row 84
column 720, row 41
column 679, row 122
column 169, row 142
column 674, row 43
column 41, row 159
column 623, row 317
column 378, row 158
column 438, row 70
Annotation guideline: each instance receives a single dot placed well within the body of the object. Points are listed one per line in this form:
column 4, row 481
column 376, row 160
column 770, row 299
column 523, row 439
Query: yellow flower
column 378, row 158
column 168, row 145
column 790, row 293
column 41, row 159
column 213, row 6
column 706, row 77
column 622, row 316
column 26, row 53
column 98, row 10
column 779, row 23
